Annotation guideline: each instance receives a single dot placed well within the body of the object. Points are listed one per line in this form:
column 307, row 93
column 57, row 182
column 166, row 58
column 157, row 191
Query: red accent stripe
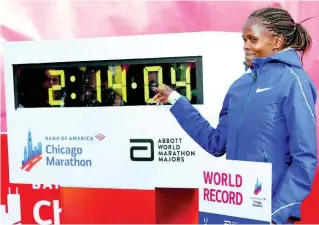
column 31, row 163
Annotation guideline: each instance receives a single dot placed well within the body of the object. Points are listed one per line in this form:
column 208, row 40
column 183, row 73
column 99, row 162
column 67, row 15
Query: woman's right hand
column 162, row 94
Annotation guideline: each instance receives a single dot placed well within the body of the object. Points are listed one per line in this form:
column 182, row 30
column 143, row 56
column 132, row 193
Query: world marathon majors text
column 169, row 150
column 66, row 156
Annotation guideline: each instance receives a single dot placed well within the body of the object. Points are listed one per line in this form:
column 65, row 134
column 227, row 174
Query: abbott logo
column 142, row 150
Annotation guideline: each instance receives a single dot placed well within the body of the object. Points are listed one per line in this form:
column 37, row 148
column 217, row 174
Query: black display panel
column 106, row 83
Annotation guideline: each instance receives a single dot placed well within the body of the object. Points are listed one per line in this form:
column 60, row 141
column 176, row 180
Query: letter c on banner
column 56, row 212
column 36, row 212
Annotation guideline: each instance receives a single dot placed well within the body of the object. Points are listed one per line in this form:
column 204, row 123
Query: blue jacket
column 268, row 115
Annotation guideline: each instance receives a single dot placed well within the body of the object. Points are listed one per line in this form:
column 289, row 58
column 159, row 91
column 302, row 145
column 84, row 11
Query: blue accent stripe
column 212, row 218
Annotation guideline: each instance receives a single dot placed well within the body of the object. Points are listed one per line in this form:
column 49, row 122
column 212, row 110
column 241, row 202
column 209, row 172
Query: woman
column 268, row 114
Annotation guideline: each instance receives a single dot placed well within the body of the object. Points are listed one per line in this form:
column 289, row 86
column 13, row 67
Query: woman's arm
column 211, row 139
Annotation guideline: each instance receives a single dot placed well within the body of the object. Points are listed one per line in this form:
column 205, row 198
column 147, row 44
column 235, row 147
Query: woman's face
column 259, row 42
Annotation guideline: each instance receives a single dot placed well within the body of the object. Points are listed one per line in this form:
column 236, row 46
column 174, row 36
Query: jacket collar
column 288, row 56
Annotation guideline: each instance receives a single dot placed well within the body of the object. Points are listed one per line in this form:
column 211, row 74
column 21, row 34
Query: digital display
column 106, row 83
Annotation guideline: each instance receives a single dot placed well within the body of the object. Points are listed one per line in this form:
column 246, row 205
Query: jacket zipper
column 242, row 113
column 265, row 156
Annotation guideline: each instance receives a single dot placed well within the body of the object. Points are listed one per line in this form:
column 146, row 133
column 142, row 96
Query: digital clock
column 106, row 83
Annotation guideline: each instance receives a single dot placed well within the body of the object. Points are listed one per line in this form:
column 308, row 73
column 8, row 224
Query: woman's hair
column 280, row 21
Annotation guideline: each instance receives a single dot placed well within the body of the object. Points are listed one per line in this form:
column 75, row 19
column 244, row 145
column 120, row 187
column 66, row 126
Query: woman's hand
column 162, row 94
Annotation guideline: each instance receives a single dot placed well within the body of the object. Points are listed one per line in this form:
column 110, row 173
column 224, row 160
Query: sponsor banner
column 113, row 144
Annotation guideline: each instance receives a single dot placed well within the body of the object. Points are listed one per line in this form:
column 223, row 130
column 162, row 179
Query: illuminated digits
column 98, row 86
column 119, row 81
column 185, row 83
column 147, row 70
column 57, row 87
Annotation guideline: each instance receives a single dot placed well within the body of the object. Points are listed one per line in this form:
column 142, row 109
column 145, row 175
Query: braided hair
column 281, row 23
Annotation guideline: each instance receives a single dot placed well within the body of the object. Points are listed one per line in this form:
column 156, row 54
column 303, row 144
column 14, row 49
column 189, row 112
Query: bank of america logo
column 100, row 137
column 257, row 187
column 31, row 154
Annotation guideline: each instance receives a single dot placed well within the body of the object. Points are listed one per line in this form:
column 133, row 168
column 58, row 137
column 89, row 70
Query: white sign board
column 65, row 141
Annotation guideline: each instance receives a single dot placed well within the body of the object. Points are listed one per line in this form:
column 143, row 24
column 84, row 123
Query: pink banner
column 66, row 19
column 44, row 20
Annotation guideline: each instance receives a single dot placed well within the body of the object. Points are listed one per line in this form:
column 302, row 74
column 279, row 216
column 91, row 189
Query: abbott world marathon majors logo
column 56, row 154
column 168, row 150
